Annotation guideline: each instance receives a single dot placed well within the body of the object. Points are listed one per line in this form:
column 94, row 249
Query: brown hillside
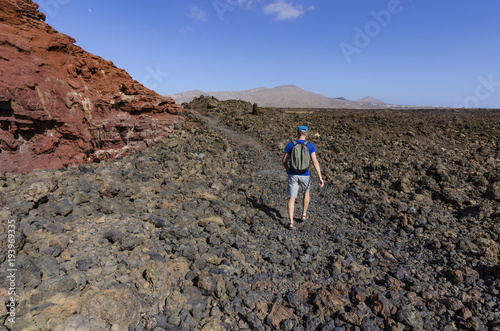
column 285, row 96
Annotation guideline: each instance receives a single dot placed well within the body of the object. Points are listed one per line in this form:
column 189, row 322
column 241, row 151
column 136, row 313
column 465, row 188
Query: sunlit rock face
column 61, row 106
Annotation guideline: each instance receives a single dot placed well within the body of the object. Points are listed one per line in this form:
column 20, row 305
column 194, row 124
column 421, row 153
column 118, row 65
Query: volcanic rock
column 190, row 234
column 61, row 106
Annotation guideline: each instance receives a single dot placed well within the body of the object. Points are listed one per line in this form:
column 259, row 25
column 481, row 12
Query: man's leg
column 291, row 209
column 292, row 191
column 306, row 186
column 307, row 198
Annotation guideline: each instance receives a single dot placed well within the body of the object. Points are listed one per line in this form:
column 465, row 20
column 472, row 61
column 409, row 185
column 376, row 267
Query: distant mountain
column 286, row 96
column 369, row 99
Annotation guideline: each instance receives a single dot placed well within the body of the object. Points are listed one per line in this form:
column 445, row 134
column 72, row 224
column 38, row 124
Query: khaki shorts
column 295, row 182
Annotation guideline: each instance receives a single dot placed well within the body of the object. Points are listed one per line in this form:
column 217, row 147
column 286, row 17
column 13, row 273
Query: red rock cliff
column 61, row 106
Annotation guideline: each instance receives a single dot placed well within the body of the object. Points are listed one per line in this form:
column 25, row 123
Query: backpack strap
column 295, row 143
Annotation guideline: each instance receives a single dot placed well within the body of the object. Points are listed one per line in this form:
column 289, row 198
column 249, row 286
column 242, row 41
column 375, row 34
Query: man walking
column 300, row 179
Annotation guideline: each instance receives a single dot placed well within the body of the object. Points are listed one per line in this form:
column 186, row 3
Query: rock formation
column 62, row 106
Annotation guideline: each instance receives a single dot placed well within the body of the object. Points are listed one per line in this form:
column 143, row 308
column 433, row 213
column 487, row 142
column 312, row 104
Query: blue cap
column 303, row 128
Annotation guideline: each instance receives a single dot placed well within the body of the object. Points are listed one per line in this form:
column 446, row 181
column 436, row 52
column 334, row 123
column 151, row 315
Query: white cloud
column 284, row 10
column 197, row 13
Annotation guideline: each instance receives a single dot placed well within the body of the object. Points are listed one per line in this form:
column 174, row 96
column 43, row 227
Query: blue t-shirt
column 311, row 149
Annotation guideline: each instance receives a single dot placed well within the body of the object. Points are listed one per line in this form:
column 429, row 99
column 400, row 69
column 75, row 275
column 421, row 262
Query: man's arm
column 315, row 162
column 285, row 161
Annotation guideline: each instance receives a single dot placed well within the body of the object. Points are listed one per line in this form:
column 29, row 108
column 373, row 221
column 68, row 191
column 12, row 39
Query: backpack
column 300, row 158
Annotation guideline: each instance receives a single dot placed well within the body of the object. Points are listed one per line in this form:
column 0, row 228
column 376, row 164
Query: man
column 302, row 181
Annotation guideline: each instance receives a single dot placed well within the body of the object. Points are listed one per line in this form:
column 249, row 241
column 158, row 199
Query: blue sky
column 415, row 52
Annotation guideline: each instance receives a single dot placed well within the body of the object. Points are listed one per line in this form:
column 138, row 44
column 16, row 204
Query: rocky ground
column 190, row 234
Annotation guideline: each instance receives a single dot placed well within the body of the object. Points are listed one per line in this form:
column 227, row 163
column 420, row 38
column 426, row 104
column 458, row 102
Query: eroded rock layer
column 62, row 106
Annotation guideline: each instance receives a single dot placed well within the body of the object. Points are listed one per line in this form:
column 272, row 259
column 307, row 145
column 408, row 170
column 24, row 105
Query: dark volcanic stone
column 129, row 242
column 64, row 207
column 113, row 235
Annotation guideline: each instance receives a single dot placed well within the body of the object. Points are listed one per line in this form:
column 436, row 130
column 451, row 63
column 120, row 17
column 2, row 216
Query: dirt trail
column 272, row 175
column 269, row 162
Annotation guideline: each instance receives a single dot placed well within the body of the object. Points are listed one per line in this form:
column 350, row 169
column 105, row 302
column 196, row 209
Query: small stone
column 206, row 283
column 410, row 316
column 55, row 228
column 113, row 235
column 453, row 304
column 64, row 207
column 128, row 243
column 66, row 256
column 279, row 313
